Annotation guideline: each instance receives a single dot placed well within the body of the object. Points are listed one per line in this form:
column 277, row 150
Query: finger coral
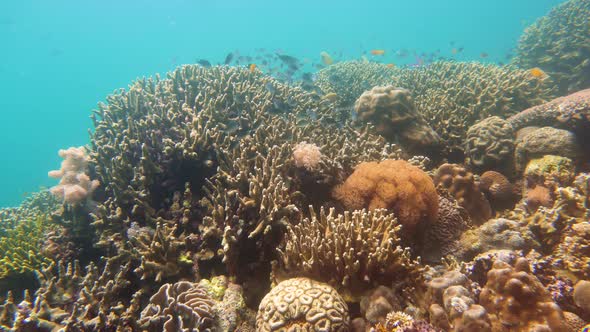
column 352, row 252
column 75, row 185
column 395, row 117
column 515, row 298
column 302, row 304
column 563, row 56
column 391, row 184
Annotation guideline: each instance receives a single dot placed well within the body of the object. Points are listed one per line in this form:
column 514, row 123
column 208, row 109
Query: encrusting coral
column 75, row 185
column 395, row 185
column 352, row 252
column 302, row 304
column 395, row 117
column 558, row 44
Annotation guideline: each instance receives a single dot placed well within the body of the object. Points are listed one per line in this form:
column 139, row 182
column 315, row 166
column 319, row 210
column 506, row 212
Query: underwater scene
column 264, row 166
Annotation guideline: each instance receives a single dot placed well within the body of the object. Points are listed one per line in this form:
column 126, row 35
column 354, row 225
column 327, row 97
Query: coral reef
column 461, row 184
column 75, row 185
column 307, row 155
column 545, row 141
column 395, row 185
column 549, row 171
column 352, row 252
column 563, row 56
column 394, row 115
column 302, row 304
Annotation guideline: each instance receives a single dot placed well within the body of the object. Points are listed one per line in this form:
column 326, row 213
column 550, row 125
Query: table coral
column 515, row 298
column 558, row 44
column 461, row 184
column 352, row 252
column 302, row 304
column 395, row 117
column 395, row 185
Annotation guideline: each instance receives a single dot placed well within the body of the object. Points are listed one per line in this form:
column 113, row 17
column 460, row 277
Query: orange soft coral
column 391, row 184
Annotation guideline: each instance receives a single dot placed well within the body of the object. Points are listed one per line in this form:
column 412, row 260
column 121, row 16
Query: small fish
column 326, row 58
column 252, row 67
column 228, row 58
column 331, row 97
column 270, row 88
column 287, row 59
column 538, row 73
column 204, row 63
column 483, row 55
column 364, row 59
column 377, row 52
column 390, row 65
column 402, row 53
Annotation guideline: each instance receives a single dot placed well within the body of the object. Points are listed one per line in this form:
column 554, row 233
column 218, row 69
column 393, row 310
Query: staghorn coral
column 545, row 141
column 394, row 115
column 22, row 233
column 558, row 44
column 498, row 190
column 349, row 79
column 359, row 249
column 182, row 306
column 515, row 298
column 75, row 185
column 461, row 184
column 395, row 185
column 489, row 143
column 302, row 304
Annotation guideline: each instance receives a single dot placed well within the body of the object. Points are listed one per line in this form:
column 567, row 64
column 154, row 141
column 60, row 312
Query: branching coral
column 302, row 304
column 558, row 44
column 351, row 252
column 395, row 185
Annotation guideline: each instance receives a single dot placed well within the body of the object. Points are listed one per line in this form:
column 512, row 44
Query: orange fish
column 538, row 73
column 377, row 52
column 390, row 65
column 252, row 67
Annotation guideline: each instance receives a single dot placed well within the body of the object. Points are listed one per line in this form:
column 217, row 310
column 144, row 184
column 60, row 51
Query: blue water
column 59, row 58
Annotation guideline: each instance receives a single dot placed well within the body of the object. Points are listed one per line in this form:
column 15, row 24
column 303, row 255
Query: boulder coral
column 462, row 185
column 393, row 113
column 545, row 141
column 394, row 185
column 514, row 297
column 302, row 304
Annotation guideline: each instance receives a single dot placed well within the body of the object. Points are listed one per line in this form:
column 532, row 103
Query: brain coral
column 490, row 143
column 391, row 184
column 392, row 112
column 183, row 306
column 302, row 304
column 558, row 44
column 498, row 189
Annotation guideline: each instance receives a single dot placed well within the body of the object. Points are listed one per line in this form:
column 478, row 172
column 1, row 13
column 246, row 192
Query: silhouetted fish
column 204, row 63
column 228, row 58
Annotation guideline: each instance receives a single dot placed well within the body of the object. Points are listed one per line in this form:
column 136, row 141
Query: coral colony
column 448, row 197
